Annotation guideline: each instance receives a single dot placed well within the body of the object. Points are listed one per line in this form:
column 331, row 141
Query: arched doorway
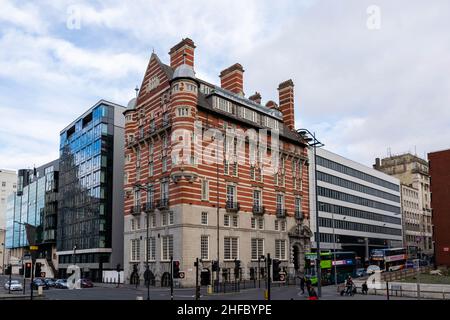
column 296, row 257
column 149, row 277
column 205, row 277
column 165, row 280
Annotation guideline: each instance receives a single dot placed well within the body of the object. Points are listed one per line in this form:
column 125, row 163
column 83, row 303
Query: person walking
column 302, row 284
column 308, row 284
column 312, row 294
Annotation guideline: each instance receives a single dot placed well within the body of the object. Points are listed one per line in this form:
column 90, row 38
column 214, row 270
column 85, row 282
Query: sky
column 371, row 77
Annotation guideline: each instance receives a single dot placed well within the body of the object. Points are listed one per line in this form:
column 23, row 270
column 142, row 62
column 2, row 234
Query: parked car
column 361, row 272
column 39, row 282
column 86, row 283
column 61, row 284
column 409, row 264
column 50, row 282
column 15, row 285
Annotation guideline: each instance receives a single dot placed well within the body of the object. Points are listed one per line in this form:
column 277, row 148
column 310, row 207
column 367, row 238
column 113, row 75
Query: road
column 127, row 292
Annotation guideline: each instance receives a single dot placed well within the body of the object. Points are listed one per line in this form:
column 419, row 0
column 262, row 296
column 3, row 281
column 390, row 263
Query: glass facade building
column 28, row 205
column 91, row 166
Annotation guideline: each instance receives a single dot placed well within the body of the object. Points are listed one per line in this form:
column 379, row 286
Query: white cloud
column 361, row 90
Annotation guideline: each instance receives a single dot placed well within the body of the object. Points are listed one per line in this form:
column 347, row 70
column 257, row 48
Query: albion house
column 211, row 174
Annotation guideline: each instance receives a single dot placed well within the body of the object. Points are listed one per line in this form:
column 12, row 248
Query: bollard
column 40, row 290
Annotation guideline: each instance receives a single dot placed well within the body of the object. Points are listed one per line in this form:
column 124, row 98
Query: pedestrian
column 308, row 284
column 313, row 294
column 364, row 288
column 302, row 284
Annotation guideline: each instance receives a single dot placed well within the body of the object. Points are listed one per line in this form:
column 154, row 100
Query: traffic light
column 176, row 269
column 215, row 266
column 28, row 270
column 276, row 270
column 237, row 267
column 37, row 268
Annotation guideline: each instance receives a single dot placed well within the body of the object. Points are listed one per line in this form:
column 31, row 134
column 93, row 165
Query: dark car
column 86, row 283
column 61, row 284
column 50, row 282
column 38, row 282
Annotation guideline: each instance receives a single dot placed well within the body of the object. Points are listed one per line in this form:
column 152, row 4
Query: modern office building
column 413, row 174
column 221, row 177
column 3, row 253
column 90, row 202
column 31, row 216
column 359, row 207
column 8, row 185
column 439, row 164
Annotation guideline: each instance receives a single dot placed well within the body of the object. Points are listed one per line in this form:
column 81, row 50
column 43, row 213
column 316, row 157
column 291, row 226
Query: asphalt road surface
column 127, row 292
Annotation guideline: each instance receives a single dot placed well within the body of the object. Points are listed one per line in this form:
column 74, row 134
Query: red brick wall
column 151, row 105
column 440, row 203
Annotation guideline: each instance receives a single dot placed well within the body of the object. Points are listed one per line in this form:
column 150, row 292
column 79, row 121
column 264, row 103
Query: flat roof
column 102, row 101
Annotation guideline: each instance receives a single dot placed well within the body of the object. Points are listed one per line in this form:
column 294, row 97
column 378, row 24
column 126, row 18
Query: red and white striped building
column 220, row 176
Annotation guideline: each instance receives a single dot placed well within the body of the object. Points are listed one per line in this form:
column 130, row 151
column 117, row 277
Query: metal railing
column 135, row 210
column 260, row 210
column 148, row 206
column 232, row 206
column 281, row 213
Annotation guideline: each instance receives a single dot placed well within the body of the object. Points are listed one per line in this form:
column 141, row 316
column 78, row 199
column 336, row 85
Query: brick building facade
column 440, row 194
column 219, row 176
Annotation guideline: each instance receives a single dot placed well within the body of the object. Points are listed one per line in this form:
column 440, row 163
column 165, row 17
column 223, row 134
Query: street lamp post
column 3, row 251
column 311, row 140
column 334, row 250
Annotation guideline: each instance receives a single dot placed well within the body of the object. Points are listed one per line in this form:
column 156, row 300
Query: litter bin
column 210, row 290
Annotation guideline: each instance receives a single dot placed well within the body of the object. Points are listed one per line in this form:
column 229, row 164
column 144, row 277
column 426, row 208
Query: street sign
column 34, row 248
column 181, row 274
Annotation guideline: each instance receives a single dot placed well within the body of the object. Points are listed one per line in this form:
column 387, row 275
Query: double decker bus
column 389, row 259
column 345, row 262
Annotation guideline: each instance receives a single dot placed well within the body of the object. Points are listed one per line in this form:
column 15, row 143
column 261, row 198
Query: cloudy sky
column 370, row 76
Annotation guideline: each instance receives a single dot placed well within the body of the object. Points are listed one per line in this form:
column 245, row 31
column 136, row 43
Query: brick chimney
column 255, row 97
column 181, row 53
column 286, row 99
column 232, row 79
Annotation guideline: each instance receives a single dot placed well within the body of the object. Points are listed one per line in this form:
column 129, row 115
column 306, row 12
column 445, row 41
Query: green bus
column 346, row 264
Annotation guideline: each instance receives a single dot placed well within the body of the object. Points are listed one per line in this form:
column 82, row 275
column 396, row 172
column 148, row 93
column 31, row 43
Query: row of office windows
column 333, row 194
column 230, row 248
column 325, row 177
column 355, row 173
column 356, row 226
column 232, row 221
column 351, row 212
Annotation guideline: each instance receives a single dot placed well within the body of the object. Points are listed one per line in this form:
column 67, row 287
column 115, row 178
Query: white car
column 15, row 285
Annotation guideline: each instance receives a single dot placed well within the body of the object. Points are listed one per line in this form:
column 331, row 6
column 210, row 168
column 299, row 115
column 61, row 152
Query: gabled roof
column 167, row 69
